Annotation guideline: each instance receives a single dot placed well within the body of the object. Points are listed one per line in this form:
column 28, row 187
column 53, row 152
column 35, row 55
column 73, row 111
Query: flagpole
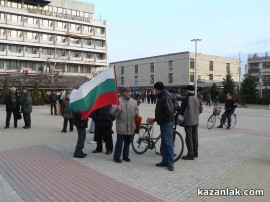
column 116, row 85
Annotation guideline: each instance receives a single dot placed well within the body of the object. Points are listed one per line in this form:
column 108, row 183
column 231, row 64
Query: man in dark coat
column 52, row 100
column 26, row 107
column 12, row 107
column 67, row 115
column 103, row 128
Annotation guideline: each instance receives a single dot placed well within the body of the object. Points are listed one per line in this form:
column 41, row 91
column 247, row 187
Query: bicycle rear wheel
column 211, row 121
column 140, row 142
column 178, row 145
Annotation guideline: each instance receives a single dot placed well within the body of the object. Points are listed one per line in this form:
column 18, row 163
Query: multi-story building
column 176, row 70
column 44, row 36
column 259, row 67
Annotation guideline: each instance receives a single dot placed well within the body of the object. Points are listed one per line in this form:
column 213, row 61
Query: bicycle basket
column 216, row 110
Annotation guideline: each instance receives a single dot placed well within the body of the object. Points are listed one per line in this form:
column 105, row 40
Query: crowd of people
column 168, row 113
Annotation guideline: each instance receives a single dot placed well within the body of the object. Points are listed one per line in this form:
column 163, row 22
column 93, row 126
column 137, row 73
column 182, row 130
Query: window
column 1, row 64
column 210, row 65
column 60, row 10
column 64, row 39
column 2, row 47
column 228, row 68
column 122, row 81
column 171, row 65
column 136, row 69
column 64, row 53
column 152, row 79
column 48, row 51
column 122, row 70
column 191, row 64
column 136, row 80
column 170, row 78
column 15, row 49
column 191, row 77
column 87, row 55
column 152, row 67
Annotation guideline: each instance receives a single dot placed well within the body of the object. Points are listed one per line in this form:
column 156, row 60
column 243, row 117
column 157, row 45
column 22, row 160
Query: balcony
column 253, row 71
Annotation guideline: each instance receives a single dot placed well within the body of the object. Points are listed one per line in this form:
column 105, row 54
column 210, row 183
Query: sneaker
column 196, row 155
column 126, row 159
column 116, row 160
column 84, row 154
column 187, row 157
column 161, row 164
column 220, row 126
column 170, row 167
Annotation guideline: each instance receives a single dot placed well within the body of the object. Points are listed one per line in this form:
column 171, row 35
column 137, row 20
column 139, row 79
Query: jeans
column 192, row 140
column 167, row 143
column 119, row 145
column 81, row 140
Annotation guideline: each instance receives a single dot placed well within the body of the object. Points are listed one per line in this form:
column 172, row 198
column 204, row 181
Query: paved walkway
column 37, row 164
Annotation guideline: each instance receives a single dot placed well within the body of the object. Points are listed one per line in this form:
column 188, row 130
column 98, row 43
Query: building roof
column 44, row 81
column 42, row 2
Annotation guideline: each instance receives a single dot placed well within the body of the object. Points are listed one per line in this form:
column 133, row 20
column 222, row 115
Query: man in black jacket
column 52, row 100
column 164, row 116
column 26, row 107
column 12, row 106
column 103, row 128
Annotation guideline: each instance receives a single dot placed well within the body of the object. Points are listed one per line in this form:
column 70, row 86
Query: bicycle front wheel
column 178, row 145
column 211, row 121
column 140, row 142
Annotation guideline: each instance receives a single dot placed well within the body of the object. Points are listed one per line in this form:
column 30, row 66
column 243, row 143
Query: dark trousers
column 225, row 115
column 27, row 119
column 104, row 133
column 81, row 140
column 9, row 116
column 53, row 106
column 192, row 140
column 126, row 139
column 66, row 120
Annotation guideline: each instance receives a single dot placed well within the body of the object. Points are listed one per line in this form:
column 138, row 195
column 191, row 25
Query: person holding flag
column 99, row 92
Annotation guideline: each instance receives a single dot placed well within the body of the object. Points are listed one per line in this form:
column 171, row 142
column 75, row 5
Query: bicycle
column 216, row 114
column 145, row 140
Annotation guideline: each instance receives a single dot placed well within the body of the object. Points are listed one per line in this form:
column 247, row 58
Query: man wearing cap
column 164, row 116
column 26, row 107
column 190, row 110
column 125, row 114
column 230, row 106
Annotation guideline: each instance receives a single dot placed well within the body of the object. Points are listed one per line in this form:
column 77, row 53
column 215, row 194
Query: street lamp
column 195, row 72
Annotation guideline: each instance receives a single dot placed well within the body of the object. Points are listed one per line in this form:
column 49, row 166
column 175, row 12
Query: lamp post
column 195, row 72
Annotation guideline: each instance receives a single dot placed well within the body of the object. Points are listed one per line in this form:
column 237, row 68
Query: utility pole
column 195, row 72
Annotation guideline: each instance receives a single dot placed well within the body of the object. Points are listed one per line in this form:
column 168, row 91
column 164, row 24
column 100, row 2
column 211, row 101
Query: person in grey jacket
column 125, row 114
column 190, row 109
column 26, row 107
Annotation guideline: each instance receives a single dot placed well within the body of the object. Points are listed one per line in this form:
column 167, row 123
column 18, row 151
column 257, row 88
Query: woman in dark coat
column 67, row 115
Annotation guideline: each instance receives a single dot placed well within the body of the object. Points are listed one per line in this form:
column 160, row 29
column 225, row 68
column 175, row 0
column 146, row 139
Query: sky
column 145, row 28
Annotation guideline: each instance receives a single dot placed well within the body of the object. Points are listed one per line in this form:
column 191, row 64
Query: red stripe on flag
column 103, row 100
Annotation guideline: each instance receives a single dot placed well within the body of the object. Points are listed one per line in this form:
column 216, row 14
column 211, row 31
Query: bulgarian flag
column 63, row 96
column 96, row 93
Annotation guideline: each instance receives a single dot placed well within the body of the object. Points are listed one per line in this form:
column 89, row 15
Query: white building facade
column 176, row 70
column 43, row 36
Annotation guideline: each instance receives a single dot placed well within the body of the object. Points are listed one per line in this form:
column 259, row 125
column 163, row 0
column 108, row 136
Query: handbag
column 181, row 118
column 138, row 121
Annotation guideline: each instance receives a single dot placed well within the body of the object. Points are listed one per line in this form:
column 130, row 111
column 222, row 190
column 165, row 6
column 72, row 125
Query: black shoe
column 71, row 130
column 91, row 131
column 96, row 151
column 171, row 168
column 220, row 126
column 26, row 127
column 108, row 152
column 161, row 164
column 228, row 128
column 84, row 154
column 63, row 131
column 187, row 157
column 126, row 159
column 117, row 160
column 6, row 127
column 196, row 155
column 79, row 156
column 15, row 126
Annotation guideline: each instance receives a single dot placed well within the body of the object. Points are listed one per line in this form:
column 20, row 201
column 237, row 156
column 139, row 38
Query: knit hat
column 172, row 90
column 190, row 88
column 159, row 85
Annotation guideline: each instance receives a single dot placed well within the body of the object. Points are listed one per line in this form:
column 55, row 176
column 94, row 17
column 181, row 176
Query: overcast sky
column 144, row 28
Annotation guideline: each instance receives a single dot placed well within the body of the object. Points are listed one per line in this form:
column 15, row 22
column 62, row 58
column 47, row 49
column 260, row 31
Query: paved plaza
column 37, row 164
